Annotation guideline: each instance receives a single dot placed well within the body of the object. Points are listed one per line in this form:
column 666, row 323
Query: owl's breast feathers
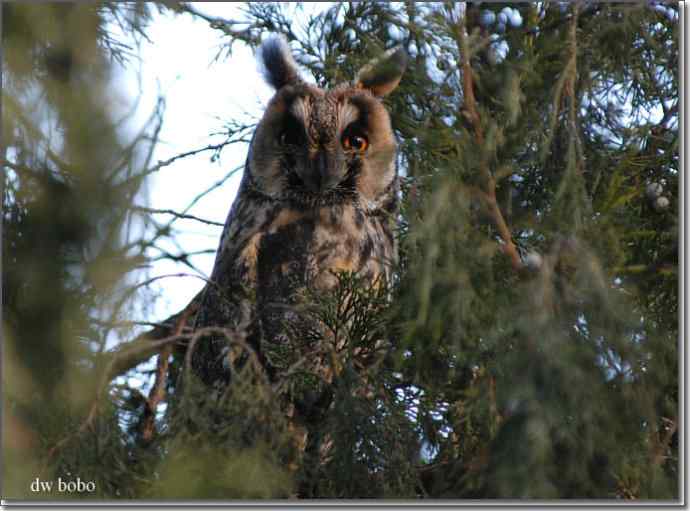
column 272, row 250
column 290, row 248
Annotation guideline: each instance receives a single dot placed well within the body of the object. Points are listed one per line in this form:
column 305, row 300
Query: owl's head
column 320, row 147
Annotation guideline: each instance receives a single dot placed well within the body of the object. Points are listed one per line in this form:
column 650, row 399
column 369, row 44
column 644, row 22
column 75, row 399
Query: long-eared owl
column 318, row 197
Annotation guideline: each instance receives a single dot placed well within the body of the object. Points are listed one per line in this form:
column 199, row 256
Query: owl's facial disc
column 318, row 147
column 315, row 161
column 313, row 167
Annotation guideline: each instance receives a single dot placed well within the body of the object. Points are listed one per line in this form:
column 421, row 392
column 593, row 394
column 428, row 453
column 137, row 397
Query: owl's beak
column 326, row 171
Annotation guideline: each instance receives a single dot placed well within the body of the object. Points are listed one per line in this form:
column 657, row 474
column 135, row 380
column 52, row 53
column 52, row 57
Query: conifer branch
column 128, row 356
column 123, row 360
column 470, row 111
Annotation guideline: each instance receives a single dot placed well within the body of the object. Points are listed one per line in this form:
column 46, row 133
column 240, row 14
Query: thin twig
column 169, row 161
column 232, row 337
column 176, row 214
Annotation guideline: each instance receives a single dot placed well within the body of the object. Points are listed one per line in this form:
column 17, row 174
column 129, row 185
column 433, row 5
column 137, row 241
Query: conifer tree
column 532, row 328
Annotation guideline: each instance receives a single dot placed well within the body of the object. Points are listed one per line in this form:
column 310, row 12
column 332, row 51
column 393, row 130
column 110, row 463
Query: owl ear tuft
column 279, row 68
column 382, row 75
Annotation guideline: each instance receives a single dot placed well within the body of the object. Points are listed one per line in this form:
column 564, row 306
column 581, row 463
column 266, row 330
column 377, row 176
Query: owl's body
column 318, row 197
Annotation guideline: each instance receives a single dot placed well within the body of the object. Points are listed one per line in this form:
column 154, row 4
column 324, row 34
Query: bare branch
column 176, row 214
column 169, row 161
column 158, row 390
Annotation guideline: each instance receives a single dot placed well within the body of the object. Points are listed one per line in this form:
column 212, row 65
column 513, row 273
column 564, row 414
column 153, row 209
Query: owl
column 318, row 197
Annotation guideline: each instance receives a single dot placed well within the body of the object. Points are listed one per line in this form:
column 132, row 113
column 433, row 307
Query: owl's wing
column 228, row 299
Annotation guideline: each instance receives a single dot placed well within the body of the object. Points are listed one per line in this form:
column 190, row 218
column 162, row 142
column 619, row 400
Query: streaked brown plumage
column 318, row 196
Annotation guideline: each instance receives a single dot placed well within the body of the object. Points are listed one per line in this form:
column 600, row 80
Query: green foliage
column 232, row 444
column 473, row 375
column 367, row 445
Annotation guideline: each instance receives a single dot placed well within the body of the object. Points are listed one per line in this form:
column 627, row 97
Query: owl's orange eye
column 355, row 142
